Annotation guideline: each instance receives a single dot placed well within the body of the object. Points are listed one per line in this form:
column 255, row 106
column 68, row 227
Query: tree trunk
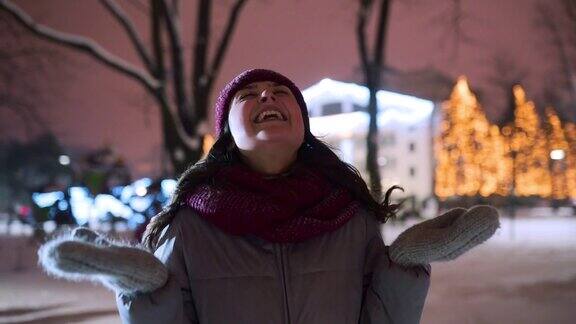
column 372, row 138
column 179, row 153
column 372, row 66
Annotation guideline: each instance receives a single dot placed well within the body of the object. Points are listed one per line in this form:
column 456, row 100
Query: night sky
column 493, row 42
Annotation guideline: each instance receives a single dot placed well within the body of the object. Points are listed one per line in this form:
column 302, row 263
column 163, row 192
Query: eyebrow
column 252, row 86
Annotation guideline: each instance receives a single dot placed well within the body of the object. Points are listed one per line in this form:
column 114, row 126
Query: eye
column 246, row 95
column 280, row 91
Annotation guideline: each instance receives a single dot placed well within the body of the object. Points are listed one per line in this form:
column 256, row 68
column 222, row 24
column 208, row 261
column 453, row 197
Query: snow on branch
column 125, row 21
column 173, row 27
column 80, row 43
column 232, row 19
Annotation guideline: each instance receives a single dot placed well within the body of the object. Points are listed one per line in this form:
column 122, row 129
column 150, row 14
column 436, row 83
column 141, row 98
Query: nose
column 267, row 95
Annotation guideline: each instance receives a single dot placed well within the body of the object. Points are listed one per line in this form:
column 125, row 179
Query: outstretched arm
column 171, row 303
column 149, row 288
column 445, row 237
column 84, row 255
column 398, row 277
column 393, row 293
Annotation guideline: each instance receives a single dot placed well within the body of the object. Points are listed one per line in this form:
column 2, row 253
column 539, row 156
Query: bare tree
column 451, row 21
column 505, row 74
column 182, row 102
column 372, row 66
column 22, row 70
column 377, row 72
column 560, row 30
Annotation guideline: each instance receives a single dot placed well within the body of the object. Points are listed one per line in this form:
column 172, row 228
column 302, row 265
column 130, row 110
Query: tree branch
column 549, row 23
column 201, row 45
column 363, row 11
column 381, row 35
column 127, row 24
column 176, row 5
column 199, row 61
column 225, row 41
column 142, row 7
column 178, row 124
column 173, row 26
column 156, row 16
column 454, row 26
column 26, row 112
column 80, row 43
column 158, row 11
column 570, row 8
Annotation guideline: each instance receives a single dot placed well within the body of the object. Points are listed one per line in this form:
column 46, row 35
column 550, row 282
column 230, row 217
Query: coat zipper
column 284, row 283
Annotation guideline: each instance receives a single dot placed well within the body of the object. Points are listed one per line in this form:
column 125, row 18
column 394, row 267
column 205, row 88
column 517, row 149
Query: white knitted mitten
column 445, row 237
column 85, row 255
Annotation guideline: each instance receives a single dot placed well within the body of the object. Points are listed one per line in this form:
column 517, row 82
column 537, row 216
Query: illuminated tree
column 528, row 148
column 497, row 164
column 526, row 158
column 558, row 146
column 464, row 152
column 570, row 131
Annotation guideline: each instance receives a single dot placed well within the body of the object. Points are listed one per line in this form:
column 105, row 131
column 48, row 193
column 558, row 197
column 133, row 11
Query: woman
column 270, row 228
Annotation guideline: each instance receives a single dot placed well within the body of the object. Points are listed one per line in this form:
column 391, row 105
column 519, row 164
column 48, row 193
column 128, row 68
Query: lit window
column 388, row 139
column 382, row 161
column 333, row 108
column 386, row 162
column 357, row 107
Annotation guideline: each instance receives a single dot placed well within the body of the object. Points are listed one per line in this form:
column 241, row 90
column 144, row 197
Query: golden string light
column 570, row 131
column 529, row 149
column 558, row 146
column 524, row 158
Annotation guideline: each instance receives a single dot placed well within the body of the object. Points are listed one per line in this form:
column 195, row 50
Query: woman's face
column 264, row 114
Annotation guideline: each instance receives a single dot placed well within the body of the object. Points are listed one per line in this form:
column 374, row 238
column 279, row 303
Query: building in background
column 338, row 117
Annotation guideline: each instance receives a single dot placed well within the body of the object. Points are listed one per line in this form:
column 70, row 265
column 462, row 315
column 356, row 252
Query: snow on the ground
column 33, row 298
column 525, row 274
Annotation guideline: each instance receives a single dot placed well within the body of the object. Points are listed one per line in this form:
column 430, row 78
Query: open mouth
column 269, row 115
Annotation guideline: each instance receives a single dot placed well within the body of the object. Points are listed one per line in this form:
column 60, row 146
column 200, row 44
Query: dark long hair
column 312, row 152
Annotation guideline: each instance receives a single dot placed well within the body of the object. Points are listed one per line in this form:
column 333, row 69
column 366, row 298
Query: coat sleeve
column 171, row 303
column 393, row 294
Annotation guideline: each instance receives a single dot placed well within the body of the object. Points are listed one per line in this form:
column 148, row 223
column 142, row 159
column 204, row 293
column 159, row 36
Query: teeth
column 267, row 113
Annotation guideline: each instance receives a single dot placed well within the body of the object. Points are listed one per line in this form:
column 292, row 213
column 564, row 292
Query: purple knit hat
column 243, row 79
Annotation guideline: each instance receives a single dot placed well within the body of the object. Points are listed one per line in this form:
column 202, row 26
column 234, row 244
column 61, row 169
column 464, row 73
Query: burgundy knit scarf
column 289, row 208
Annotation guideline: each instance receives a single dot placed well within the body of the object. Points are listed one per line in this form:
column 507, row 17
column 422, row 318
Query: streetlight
column 557, row 154
column 558, row 166
column 64, row 159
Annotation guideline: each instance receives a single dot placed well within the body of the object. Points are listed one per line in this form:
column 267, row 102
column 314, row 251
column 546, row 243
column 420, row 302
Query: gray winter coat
column 341, row 277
